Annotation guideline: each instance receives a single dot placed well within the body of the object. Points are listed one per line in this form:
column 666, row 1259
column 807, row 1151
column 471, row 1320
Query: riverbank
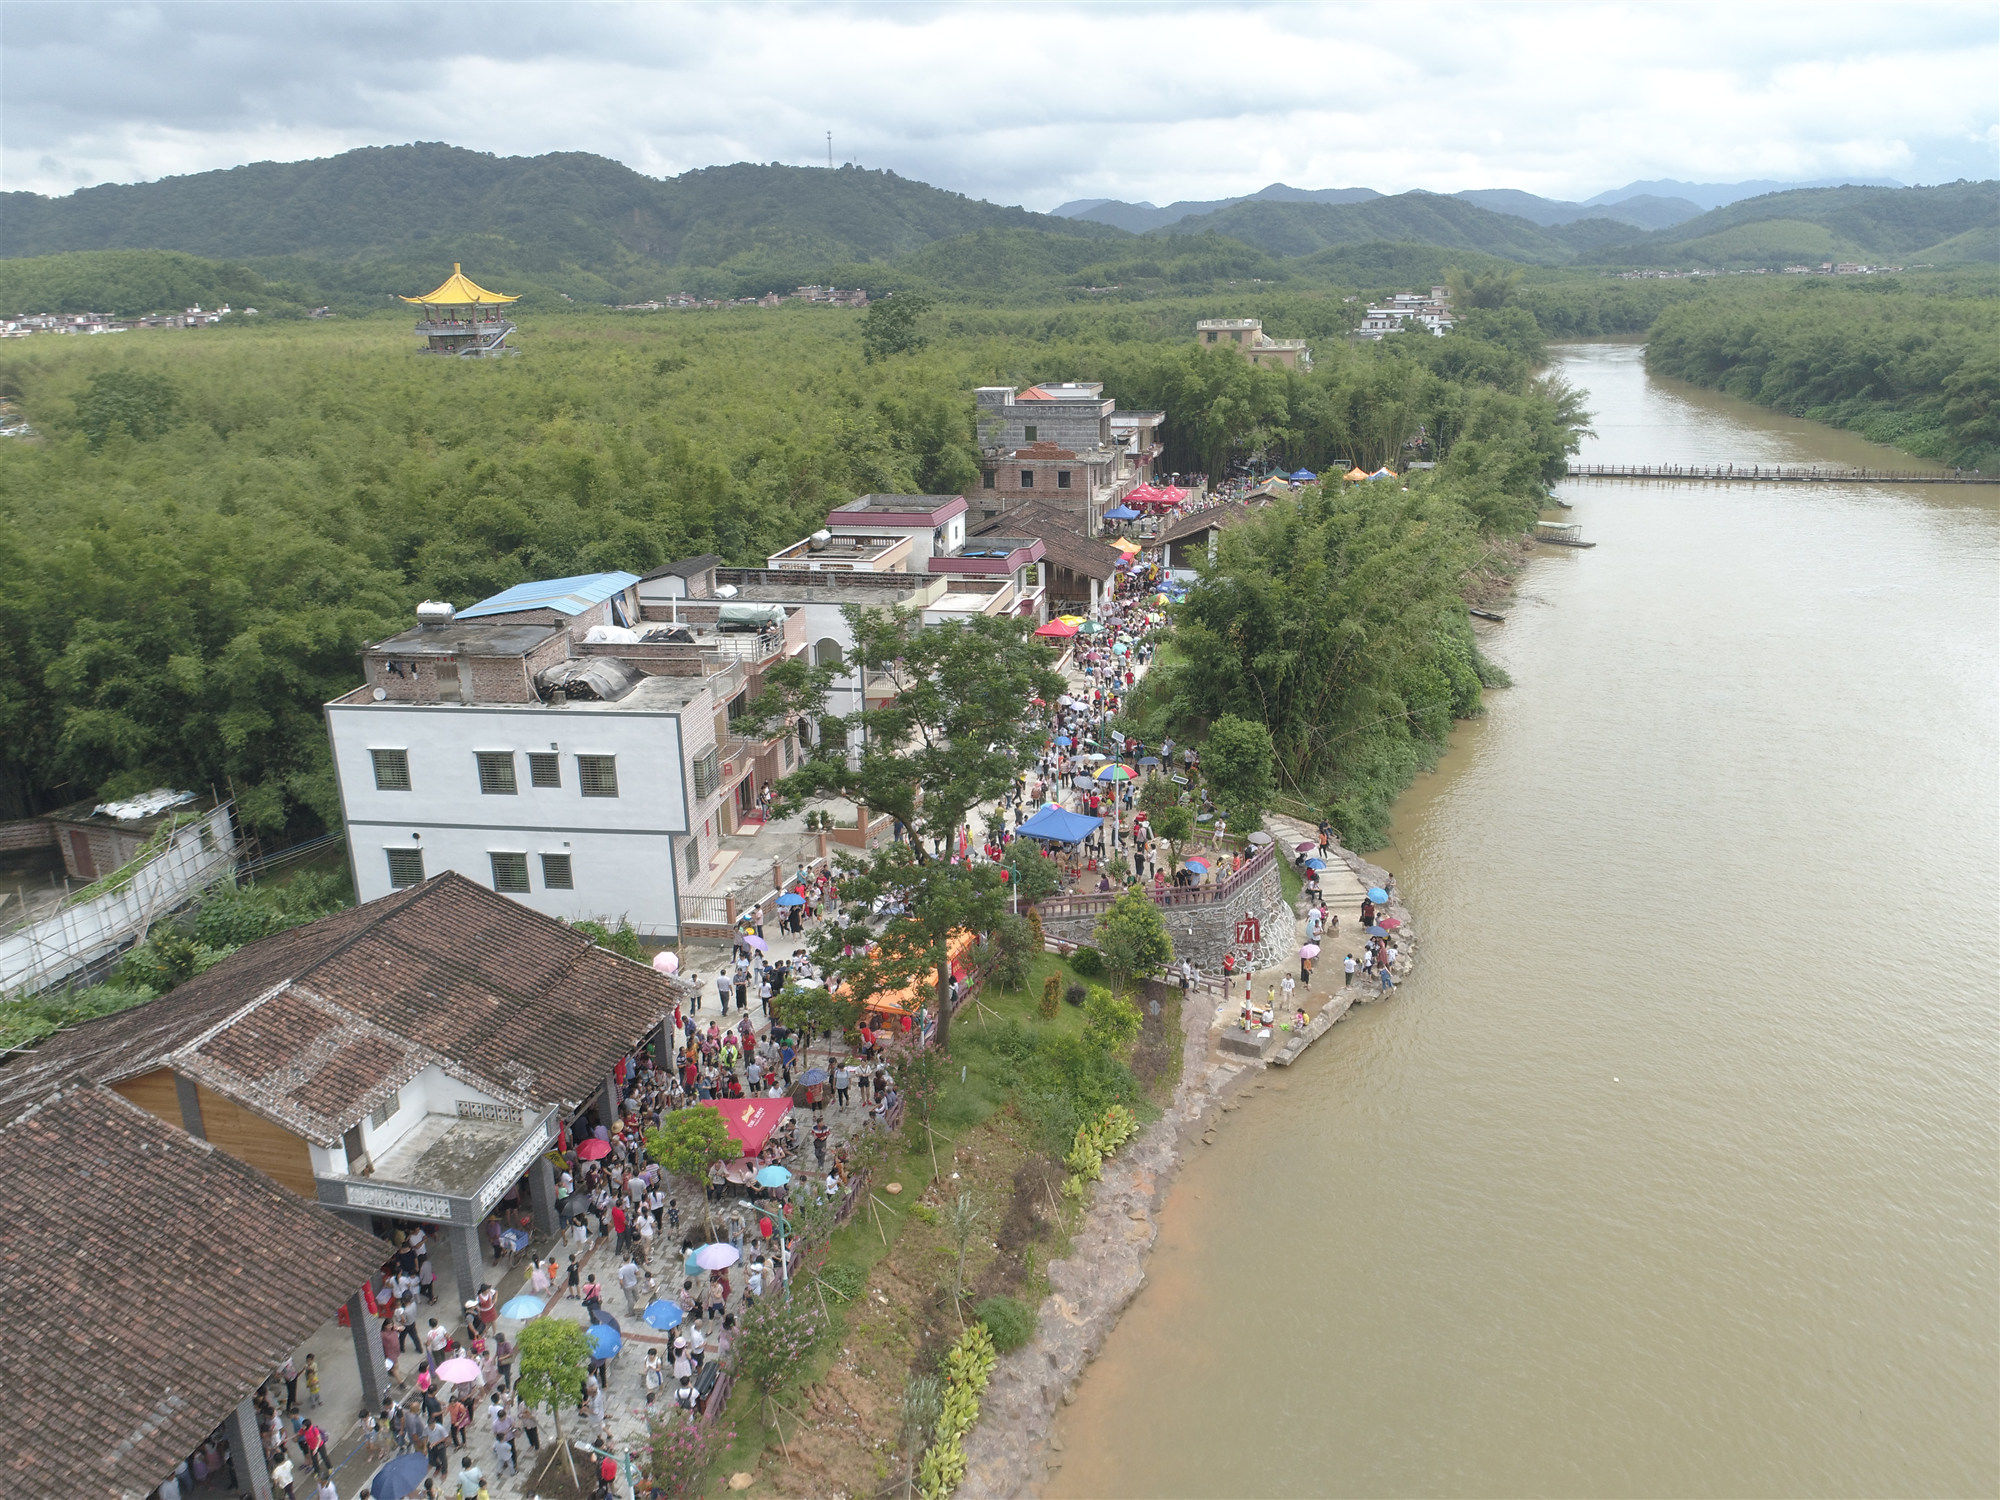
column 1637, row 1239
column 1014, row 1448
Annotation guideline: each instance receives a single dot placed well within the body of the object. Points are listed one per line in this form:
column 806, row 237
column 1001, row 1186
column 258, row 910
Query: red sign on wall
column 1249, row 931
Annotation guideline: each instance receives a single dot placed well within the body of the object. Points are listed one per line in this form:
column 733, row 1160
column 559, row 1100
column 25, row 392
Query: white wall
column 432, row 1091
column 622, row 849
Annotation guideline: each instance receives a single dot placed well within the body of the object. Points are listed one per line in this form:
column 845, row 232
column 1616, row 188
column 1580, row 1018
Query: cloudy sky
column 1023, row 103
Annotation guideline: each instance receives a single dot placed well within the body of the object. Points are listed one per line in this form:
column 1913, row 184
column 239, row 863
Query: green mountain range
column 359, row 227
column 1955, row 223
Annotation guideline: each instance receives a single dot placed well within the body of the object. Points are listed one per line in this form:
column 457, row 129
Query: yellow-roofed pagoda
column 462, row 318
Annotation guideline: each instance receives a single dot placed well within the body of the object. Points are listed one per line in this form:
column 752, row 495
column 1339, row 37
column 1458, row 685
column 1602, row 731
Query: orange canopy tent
column 908, row 999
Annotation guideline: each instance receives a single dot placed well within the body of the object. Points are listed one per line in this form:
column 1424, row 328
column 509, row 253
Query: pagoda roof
column 459, row 290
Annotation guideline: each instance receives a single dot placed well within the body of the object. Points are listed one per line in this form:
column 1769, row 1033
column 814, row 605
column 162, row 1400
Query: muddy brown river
column 1673, row 1169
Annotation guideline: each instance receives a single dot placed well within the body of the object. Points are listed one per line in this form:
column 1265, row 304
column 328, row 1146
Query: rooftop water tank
column 435, row 612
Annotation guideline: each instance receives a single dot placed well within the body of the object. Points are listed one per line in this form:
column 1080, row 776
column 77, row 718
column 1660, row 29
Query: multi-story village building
column 1432, row 313
column 1247, row 336
column 583, row 744
column 1065, row 445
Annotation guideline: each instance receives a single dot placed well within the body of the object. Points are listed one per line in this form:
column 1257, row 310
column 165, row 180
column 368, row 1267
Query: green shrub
column 1074, row 993
column 1010, row 1321
column 1087, row 962
column 1051, row 997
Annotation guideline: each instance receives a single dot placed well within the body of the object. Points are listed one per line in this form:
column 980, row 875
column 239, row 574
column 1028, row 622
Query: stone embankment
column 1014, row 1448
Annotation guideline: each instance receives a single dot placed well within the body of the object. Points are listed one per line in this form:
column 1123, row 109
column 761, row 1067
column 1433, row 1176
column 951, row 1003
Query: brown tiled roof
column 314, row 1027
column 139, row 1040
column 148, row 1283
column 1062, row 544
column 1217, row 516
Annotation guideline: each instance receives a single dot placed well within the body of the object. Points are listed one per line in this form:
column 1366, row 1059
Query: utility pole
column 829, row 151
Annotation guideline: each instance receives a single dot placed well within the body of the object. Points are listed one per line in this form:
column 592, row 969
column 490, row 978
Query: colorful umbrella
column 1377, row 894
column 1378, row 931
column 813, row 1076
column 715, row 1257
column 1390, row 923
column 460, row 1371
column 522, row 1307
column 605, row 1341
column 1116, row 773
column 1305, row 846
column 773, row 1176
column 667, row 963
column 791, row 898
column 1315, row 864
column 1064, row 741
column 1309, row 950
column 1198, row 865
column 1149, row 760
column 663, row 1315
column 593, row 1150
column 1090, row 627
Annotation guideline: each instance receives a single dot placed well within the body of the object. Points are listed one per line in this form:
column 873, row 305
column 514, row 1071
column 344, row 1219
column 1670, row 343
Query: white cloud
column 1031, row 104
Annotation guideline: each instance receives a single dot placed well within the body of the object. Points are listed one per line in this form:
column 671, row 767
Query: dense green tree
column 1239, row 764
column 1132, row 938
column 895, row 325
column 132, row 402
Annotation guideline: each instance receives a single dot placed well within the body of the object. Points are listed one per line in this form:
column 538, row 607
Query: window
column 736, row 707
column 555, row 873
column 707, row 772
column 385, row 1111
column 544, row 768
column 406, row 868
column 788, row 752
column 1028, row 433
column 988, row 479
column 496, row 772
column 392, row 770
column 510, row 873
column 1027, row 479
column 1211, row 335
column 693, row 848
column 1062, row 479
column 597, row 775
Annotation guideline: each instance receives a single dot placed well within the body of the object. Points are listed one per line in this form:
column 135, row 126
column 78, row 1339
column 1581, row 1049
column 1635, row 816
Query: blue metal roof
column 571, row 596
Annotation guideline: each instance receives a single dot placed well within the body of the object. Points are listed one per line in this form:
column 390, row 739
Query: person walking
column 843, row 1079
column 628, row 1279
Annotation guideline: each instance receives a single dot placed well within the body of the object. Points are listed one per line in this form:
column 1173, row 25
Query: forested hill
column 1956, row 223
column 1422, row 218
column 572, row 220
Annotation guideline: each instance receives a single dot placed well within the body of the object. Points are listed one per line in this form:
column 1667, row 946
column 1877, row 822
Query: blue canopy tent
column 1121, row 513
column 1304, row 476
column 1059, row 826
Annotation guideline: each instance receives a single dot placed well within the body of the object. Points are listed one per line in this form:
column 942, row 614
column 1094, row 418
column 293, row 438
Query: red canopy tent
column 750, row 1121
column 1057, row 628
column 1145, row 494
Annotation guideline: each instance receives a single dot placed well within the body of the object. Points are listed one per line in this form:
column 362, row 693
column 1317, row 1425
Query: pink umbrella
column 460, row 1371
column 1310, row 950
column 667, row 963
column 593, row 1150
column 751, row 940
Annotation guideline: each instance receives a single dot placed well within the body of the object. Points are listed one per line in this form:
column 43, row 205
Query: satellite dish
column 380, row 694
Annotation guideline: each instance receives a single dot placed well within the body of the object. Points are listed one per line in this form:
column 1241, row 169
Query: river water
column 1674, row 1167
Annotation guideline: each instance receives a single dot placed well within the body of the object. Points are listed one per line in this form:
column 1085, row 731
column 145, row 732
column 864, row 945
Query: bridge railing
column 1777, row 473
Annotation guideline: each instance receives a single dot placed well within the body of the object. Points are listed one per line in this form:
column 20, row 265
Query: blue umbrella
column 400, row 1476
column 522, row 1307
column 791, row 898
column 1378, row 932
column 1149, row 760
column 604, row 1319
column 604, row 1341
column 773, row 1176
column 1377, row 894
column 1315, row 864
column 1064, row 740
column 815, row 1075
column 663, row 1314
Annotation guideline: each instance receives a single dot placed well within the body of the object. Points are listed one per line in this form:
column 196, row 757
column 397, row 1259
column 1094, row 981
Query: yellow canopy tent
column 1125, row 546
column 458, row 290
column 1355, row 475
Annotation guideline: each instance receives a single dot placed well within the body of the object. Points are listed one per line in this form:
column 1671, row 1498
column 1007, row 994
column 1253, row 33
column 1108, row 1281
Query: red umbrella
column 1392, row 923
column 593, row 1150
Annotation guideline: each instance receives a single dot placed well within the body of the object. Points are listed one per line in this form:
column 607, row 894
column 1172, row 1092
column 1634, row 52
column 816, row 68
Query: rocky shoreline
column 1013, row 1449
